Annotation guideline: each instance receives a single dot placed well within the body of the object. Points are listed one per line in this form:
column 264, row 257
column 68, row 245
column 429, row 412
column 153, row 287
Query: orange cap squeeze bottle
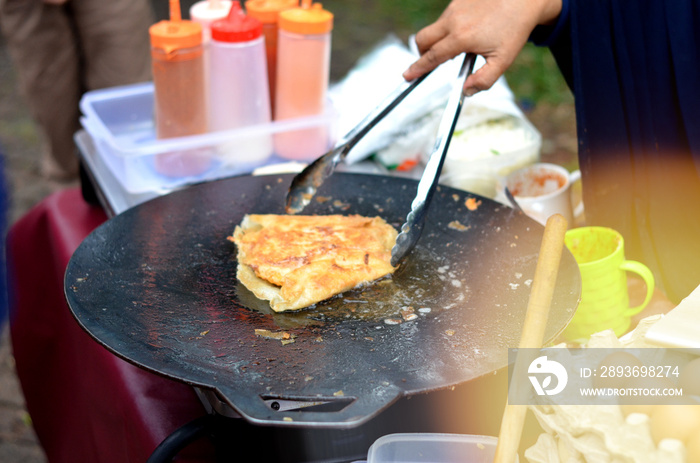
column 179, row 93
column 310, row 18
column 176, row 33
column 267, row 12
column 303, row 71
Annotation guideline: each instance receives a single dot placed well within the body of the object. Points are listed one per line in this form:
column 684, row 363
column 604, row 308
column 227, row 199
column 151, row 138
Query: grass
column 534, row 77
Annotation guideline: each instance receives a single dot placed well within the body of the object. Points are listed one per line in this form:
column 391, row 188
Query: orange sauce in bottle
column 303, row 70
column 179, row 98
column 267, row 12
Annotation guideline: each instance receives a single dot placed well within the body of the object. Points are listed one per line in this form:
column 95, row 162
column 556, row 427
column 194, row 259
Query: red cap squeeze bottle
column 239, row 94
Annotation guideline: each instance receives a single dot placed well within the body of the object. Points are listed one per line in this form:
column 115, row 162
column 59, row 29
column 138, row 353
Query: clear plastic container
column 432, row 448
column 239, row 94
column 121, row 124
column 303, row 71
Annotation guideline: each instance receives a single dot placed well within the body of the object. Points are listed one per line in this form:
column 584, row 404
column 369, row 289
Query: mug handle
column 644, row 272
column 574, row 177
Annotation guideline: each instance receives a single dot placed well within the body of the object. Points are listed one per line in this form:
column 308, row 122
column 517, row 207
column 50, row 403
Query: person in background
column 62, row 48
column 634, row 70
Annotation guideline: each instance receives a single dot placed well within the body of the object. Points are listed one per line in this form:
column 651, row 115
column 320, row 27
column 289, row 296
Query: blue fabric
column 634, row 69
column 545, row 36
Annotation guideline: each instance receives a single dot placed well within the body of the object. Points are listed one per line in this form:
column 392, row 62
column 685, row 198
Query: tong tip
column 297, row 200
column 405, row 242
column 306, row 182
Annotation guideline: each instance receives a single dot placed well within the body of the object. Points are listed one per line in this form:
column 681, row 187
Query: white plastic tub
column 120, row 121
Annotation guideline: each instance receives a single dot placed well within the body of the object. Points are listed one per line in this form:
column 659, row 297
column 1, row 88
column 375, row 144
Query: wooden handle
column 532, row 335
column 544, row 282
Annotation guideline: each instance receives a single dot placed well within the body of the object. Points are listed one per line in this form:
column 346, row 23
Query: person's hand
column 494, row 29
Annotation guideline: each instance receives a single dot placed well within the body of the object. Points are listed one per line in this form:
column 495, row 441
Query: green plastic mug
column 604, row 305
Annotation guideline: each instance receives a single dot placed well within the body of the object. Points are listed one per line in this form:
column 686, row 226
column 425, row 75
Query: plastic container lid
column 309, row 19
column 175, row 33
column 237, row 27
column 268, row 11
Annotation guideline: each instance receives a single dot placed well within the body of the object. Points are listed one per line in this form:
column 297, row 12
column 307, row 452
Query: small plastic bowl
column 432, row 447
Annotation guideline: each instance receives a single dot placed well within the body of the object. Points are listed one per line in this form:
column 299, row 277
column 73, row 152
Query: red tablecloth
column 86, row 404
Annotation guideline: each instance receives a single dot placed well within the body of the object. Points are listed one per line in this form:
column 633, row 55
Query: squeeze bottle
column 239, row 94
column 303, row 70
column 178, row 79
column 206, row 12
column 267, row 12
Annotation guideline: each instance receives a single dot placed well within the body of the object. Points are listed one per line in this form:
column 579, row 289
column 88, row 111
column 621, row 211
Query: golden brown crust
column 297, row 261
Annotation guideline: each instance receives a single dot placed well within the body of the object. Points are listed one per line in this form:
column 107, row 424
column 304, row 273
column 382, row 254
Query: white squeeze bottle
column 239, row 94
column 206, row 12
column 303, row 71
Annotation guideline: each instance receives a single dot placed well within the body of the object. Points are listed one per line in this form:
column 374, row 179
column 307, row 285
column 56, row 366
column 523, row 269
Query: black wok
column 157, row 286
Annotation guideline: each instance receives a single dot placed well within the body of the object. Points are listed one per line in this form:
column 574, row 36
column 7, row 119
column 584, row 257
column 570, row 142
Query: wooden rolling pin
column 532, row 335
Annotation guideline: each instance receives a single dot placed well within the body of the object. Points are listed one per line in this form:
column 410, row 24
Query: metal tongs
column 305, row 184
